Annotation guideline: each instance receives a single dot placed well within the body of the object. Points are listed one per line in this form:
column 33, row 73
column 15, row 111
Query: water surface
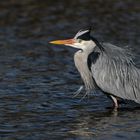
column 37, row 80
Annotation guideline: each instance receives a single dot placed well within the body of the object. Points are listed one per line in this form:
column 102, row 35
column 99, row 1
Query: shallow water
column 37, row 79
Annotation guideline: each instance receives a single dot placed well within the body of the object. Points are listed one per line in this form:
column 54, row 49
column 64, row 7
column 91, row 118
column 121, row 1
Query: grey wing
column 115, row 73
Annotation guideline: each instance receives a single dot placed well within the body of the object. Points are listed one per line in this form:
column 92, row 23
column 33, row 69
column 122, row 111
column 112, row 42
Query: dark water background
column 37, row 80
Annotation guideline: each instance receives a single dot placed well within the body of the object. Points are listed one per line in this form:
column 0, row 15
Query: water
column 37, row 80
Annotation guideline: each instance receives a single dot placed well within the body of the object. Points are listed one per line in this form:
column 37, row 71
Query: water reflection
column 37, row 81
column 107, row 124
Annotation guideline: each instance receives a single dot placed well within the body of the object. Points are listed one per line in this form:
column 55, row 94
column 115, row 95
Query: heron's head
column 82, row 40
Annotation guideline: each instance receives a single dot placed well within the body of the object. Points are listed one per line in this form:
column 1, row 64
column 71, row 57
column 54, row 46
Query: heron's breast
column 80, row 61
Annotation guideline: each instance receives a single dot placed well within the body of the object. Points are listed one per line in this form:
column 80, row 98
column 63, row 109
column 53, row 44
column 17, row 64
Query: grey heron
column 105, row 67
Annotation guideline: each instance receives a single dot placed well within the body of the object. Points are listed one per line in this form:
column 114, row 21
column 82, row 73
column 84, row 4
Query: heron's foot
column 78, row 91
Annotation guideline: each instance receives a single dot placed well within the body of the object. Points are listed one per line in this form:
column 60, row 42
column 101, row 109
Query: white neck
column 88, row 47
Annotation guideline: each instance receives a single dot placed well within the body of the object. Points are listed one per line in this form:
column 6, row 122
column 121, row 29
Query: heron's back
column 115, row 73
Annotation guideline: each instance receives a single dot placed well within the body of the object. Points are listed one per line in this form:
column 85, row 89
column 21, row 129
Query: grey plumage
column 116, row 74
column 110, row 69
column 81, row 64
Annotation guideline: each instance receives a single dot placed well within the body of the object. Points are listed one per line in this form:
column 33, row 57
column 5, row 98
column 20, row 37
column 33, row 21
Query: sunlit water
column 37, row 80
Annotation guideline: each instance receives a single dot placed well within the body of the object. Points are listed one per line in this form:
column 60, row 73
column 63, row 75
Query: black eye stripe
column 84, row 37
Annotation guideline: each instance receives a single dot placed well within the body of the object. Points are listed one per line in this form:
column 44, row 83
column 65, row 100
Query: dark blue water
column 38, row 80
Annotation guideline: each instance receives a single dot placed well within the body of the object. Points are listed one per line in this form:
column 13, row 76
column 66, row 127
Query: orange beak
column 67, row 41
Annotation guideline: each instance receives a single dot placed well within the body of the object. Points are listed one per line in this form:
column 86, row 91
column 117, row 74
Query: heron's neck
column 80, row 59
column 89, row 48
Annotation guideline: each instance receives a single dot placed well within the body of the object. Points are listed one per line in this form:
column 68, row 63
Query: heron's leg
column 78, row 91
column 115, row 101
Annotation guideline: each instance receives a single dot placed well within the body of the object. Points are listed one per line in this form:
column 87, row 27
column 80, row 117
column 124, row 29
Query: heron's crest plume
column 83, row 34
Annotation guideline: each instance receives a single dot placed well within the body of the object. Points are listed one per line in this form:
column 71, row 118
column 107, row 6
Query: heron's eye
column 79, row 40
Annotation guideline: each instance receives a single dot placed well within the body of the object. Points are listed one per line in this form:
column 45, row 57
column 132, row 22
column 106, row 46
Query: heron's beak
column 64, row 42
